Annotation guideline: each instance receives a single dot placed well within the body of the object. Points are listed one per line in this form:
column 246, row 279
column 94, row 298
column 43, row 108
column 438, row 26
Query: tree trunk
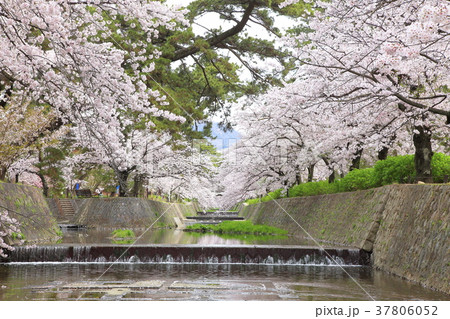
column 3, row 170
column 41, row 175
column 298, row 179
column 423, row 154
column 122, row 176
column 310, row 172
column 356, row 161
column 138, row 179
column 382, row 154
column 44, row 184
column 332, row 176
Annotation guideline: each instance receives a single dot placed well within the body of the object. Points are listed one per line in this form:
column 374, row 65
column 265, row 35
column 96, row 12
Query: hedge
column 394, row 169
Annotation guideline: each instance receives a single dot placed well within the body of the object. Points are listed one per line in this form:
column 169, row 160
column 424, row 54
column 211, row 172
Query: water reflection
column 175, row 236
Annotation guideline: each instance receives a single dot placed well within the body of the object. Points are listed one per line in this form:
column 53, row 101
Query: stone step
column 66, row 208
column 216, row 218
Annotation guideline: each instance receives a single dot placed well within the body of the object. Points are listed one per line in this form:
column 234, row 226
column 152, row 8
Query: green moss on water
column 237, row 227
column 123, row 233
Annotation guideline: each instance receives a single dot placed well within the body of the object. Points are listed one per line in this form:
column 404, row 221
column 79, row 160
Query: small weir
column 219, row 213
column 242, row 254
column 213, row 217
column 218, row 218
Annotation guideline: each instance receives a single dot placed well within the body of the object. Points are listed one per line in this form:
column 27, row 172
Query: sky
column 222, row 139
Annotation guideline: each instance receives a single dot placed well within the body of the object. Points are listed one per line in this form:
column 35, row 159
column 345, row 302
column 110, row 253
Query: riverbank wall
column 405, row 227
column 130, row 213
column 28, row 206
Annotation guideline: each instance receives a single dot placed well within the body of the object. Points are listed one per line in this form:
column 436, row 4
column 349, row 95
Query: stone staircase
column 66, row 209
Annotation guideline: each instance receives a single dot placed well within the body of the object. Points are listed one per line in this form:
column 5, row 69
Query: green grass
column 123, row 233
column 19, row 236
column 237, row 227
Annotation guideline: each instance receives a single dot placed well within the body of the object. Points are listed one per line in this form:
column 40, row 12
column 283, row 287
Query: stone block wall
column 413, row 240
column 29, row 207
column 113, row 213
column 343, row 218
column 406, row 227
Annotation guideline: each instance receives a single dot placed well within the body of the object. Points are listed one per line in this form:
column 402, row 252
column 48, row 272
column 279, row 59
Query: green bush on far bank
column 440, row 166
column 395, row 169
column 272, row 195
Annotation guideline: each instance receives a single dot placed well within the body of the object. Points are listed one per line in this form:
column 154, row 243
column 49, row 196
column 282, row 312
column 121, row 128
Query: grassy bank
column 237, row 227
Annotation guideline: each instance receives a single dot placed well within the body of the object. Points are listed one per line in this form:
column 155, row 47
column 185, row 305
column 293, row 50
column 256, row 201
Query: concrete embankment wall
column 406, row 227
column 29, row 207
column 129, row 213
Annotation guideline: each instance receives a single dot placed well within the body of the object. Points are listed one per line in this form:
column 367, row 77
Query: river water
column 175, row 281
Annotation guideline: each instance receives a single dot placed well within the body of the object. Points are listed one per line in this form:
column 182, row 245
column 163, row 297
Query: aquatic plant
column 123, row 233
column 237, row 227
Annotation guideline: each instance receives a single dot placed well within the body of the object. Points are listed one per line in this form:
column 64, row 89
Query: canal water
column 177, row 237
column 191, row 281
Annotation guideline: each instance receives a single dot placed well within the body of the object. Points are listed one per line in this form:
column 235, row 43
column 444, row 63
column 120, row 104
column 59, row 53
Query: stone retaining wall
column 405, row 226
column 113, row 213
column 29, row 207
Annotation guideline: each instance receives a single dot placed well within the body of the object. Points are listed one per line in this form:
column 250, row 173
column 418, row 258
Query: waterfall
column 269, row 255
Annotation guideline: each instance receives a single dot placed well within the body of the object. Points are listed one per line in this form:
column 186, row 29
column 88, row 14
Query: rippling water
column 203, row 282
column 175, row 281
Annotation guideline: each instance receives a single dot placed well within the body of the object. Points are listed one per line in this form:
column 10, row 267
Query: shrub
column 440, row 166
column 396, row 169
column 357, row 179
column 252, row 201
column 272, row 195
column 399, row 169
column 313, row 188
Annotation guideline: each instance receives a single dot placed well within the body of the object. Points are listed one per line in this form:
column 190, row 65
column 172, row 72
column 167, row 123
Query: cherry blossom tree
column 387, row 58
column 188, row 172
column 20, row 127
column 369, row 77
column 63, row 54
column 54, row 52
column 8, row 226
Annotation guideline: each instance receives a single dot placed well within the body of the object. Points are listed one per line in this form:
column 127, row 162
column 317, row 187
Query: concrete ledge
column 246, row 254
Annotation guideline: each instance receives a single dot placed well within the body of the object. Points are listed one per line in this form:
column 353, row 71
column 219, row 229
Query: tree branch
column 213, row 41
